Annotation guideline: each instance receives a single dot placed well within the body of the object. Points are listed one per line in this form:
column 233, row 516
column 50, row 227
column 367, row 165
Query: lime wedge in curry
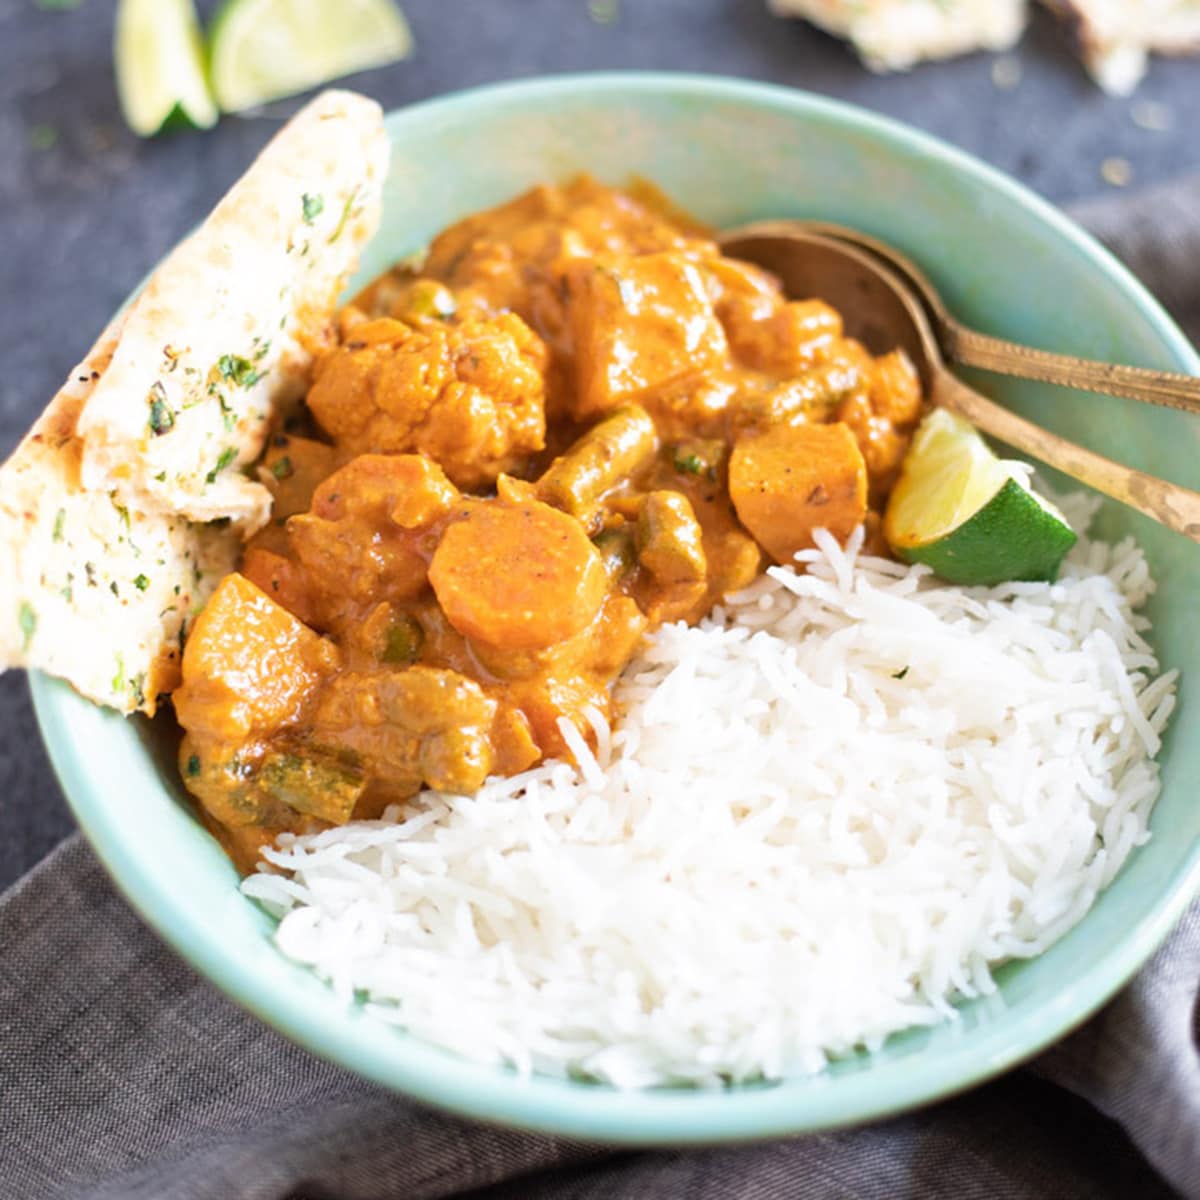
column 159, row 57
column 969, row 515
column 263, row 50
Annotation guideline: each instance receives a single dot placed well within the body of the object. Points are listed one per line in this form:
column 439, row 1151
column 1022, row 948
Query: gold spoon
column 884, row 312
column 970, row 348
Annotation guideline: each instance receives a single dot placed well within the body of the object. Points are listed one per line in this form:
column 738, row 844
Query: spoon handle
column 973, row 349
column 1177, row 508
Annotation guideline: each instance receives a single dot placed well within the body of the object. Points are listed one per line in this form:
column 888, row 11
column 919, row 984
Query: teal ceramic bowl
column 1006, row 262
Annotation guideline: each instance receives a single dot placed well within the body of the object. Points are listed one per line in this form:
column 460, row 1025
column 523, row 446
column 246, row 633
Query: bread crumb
column 1116, row 171
column 1006, row 72
column 1150, row 114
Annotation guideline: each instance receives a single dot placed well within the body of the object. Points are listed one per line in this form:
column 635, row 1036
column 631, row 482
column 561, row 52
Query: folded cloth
column 123, row 1075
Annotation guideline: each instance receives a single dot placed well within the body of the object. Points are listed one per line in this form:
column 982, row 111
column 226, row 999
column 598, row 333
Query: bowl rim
column 599, row 1113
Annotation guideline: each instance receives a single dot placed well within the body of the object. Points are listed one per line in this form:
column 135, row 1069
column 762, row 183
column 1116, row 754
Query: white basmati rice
column 825, row 812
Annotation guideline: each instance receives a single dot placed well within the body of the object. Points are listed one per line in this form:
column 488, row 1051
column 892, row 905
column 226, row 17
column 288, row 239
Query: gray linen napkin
column 124, row 1076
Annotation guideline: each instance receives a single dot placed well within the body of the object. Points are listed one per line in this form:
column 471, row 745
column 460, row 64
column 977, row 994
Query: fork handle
column 973, row 349
column 1177, row 508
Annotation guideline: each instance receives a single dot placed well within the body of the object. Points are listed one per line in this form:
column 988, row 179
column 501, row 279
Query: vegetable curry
column 574, row 421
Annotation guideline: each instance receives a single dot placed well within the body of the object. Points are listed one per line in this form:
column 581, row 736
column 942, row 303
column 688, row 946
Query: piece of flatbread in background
column 125, row 505
column 223, row 333
column 89, row 589
column 893, row 35
column 1116, row 37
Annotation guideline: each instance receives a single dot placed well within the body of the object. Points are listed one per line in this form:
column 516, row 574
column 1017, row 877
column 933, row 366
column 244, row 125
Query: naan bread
column 112, row 534
column 223, row 334
column 1117, row 36
column 893, row 35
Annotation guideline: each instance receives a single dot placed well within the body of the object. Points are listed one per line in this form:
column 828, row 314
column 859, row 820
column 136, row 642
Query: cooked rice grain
column 826, row 811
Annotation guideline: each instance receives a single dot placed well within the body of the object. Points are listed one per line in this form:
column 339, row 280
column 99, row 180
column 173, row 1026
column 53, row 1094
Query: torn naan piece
column 91, row 590
column 893, row 35
column 223, row 334
column 125, row 505
column 1116, row 37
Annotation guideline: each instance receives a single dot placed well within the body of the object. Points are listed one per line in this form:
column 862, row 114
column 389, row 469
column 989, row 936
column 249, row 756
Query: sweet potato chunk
column 639, row 324
column 523, row 576
column 249, row 667
column 471, row 396
column 791, row 479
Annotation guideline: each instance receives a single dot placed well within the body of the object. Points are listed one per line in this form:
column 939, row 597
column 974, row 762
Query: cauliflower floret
column 471, row 396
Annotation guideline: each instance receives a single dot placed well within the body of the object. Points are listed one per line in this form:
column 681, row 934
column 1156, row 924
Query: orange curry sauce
column 576, row 421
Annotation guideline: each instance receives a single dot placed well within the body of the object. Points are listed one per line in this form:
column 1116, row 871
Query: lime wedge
column 159, row 58
column 969, row 515
column 263, row 50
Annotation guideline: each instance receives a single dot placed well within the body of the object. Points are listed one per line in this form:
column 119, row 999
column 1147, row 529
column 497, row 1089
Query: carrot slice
column 523, row 576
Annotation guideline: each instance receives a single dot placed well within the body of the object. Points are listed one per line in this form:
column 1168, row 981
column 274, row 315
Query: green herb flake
column 690, row 464
column 901, row 673
column 162, row 417
column 43, row 137
column 312, row 206
column 239, row 370
column 226, row 458
column 282, row 468
column 604, row 12
column 347, row 208
column 60, row 520
column 141, row 582
column 57, row 5
column 262, row 350
column 118, row 680
column 193, row 766
column 123, row 513
column 27, row 621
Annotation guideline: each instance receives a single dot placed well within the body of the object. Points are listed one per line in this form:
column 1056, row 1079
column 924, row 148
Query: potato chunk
column 249, row 667
column 639, row 324
column 471, row 396
column 520, row 576
column 355, row 545
column 789, row 480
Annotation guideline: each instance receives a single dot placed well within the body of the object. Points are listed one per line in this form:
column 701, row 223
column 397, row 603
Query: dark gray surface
column 82, row 221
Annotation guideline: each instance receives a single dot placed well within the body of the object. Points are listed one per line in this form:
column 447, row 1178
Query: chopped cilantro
column 193, row 766
column 141, row 582
column 240, row 370
column 27, row 620
column 118, row 680
column 313, row 206
column 690, row 464
column 123, row 513
column 227, row 457
column 345, row 217
column 282, row 468
column 162, row 418
column 262, row 350
column 60, row 519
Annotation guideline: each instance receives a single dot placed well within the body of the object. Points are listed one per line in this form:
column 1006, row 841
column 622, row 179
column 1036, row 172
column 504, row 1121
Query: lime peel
column 264, row 50
column 159, row 57
column 970, row 516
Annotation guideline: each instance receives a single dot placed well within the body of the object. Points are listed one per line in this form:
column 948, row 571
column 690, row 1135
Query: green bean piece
column 311, row 784
column 607, row 455
column 617, row 551
column 669, row 539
